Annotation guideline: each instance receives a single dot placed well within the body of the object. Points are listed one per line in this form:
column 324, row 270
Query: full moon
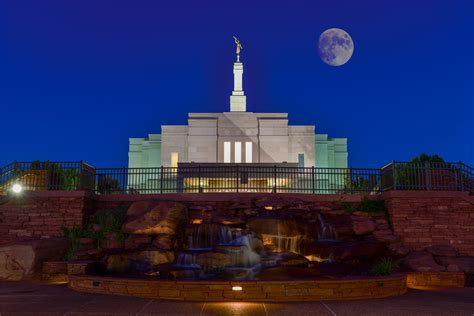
column 335, row 47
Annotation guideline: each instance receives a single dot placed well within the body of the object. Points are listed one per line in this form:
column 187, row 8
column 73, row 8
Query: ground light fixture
column 236, row 288
column 17, row 188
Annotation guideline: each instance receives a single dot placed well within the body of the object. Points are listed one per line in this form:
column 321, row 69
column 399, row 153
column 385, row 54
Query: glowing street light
column 17, row 188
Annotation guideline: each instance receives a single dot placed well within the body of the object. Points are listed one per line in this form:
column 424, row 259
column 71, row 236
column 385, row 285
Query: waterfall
column 206, row 236
column 187, row 260
column 284, row 243
column 326, row 230
column 245, row 257
column 242, row 261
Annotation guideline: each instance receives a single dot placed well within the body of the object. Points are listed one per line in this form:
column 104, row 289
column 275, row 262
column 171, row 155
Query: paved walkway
column 40, row 299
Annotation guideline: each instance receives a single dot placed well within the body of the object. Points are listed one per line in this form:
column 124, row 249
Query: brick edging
column 436, row 279
column 262, row 291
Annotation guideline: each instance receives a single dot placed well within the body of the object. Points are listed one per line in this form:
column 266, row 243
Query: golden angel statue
column 238, row 48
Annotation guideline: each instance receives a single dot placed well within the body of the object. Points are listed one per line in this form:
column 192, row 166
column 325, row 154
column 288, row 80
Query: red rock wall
column 327, row 200
column 42, row 215
column 423, row 219
column 420, row 219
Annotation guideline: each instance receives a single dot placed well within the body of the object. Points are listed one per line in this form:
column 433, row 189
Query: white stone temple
column 238, row 137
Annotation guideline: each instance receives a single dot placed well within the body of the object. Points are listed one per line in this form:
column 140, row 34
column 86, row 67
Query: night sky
column 78, row 78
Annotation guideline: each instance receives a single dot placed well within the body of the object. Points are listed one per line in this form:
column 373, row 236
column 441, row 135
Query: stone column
column 238, row 100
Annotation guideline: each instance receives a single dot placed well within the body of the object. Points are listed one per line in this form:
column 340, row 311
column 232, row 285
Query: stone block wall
column 432, row 279
column 425, row 218
column 261, row 291
column 42, row 215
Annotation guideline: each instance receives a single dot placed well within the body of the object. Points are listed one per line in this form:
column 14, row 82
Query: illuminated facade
column 238, row 137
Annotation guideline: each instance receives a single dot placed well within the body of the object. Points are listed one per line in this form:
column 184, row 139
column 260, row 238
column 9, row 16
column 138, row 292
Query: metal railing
column 437, row 176
column 190, row 178
column 48, row 175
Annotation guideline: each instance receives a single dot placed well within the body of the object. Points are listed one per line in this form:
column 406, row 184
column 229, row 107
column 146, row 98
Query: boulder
column 465, row 264
column 275, row 202
column 89, row 254
column 342, row 223
column 87, row 241
column 138, row 208
column 421, row 261
column 250, row 212
column 452, row 268
column 293, row 260
column 136, row 241
column 398, row 250
column 111, row 241
column 201, row 208
column 278, row 227
column 118, row 263
column 386, row 236
column 321, row 208
column 362, row 225
column 365, row 250
column 159, row 217
column 155, row 257
column 237, row 204
column 141, row 261
column 23, row 261
column 228, row 220
column 442, row 250
column 345, row 250
column 346, row 224
column 214, row 259
column 164, row 242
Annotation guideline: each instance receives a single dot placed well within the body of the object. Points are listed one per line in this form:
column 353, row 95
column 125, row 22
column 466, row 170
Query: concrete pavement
column 44, row 299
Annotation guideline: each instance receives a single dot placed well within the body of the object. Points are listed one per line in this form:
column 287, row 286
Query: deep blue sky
column 78, row 78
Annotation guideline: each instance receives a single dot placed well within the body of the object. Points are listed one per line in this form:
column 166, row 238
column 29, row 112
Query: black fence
column 45, row 175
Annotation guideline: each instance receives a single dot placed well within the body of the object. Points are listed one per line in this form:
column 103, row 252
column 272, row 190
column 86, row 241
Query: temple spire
column 238, row 100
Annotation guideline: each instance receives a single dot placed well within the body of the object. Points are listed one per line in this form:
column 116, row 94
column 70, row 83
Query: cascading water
column 245, row 261
column 326, row 230
column 284, row 243
column 231, row 245
column 206, row 236
column 246, row 257
column 187, row 260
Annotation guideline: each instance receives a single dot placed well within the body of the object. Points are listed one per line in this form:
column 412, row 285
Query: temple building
column 238, row 137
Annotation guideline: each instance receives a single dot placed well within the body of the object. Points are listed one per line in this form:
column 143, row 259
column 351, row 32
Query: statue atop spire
column 238, row 48
column 238, row 100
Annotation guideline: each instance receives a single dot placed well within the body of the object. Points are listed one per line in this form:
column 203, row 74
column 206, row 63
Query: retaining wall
column 435, row 279
column 266, row 291
column 426, row 218
column 419, row 218
column 41, row 215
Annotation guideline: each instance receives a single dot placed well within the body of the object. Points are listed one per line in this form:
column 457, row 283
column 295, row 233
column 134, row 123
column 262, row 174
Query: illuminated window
column 174, row 159
column 238, row 152
column 248, row 151
column 226, row 151
column 301, row 160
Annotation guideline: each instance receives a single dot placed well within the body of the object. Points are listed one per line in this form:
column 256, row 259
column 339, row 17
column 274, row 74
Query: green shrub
column 386, row 266
column 366, row 205
column 107, row 184
column 111, row 221
column 369, row 206
column 74, row 234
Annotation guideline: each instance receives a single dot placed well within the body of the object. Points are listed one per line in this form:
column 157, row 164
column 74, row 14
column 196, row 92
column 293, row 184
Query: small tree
column 426, row 172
